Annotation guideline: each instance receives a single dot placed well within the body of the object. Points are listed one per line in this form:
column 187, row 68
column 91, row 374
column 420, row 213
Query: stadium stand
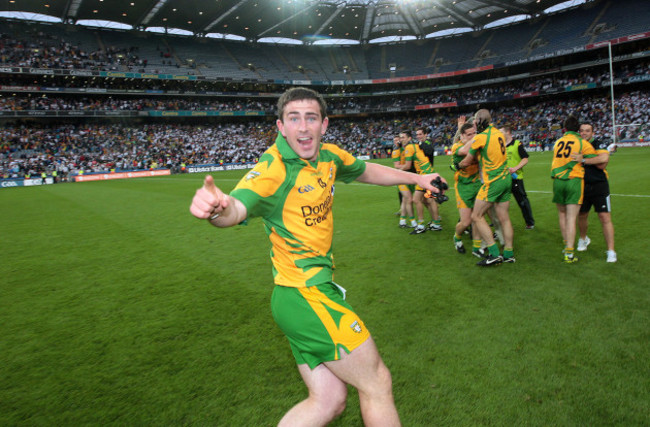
column 620, row 19
column 51, row 121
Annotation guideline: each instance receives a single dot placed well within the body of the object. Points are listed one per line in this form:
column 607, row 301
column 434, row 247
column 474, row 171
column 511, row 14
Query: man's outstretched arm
column 383, row 175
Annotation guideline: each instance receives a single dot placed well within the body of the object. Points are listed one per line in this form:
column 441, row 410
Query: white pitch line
column 612, row 194
column 643, row 196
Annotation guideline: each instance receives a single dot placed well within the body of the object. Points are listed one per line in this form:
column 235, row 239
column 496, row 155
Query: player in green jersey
column 489, row 149
column 292, row 189
column 427, row 149
column 405, row 191
column 415, row 159
column 570, row 154
column 467, row 185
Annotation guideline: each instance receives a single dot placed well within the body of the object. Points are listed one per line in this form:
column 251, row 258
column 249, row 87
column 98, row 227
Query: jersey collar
column 284, row 148
column 287, row 152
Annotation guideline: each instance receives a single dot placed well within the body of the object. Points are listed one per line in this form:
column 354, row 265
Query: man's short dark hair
column 299, row 94
column 572, row 124
column 424, row 130
column 587, row 124
column 466, row 126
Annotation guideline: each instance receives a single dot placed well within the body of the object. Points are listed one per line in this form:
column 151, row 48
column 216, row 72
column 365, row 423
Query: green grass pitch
column 118, row 307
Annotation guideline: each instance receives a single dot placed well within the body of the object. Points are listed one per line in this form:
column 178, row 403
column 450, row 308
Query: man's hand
column 577, row 157
column 461, row 121
column 468, row 160
column 208, row 200
column 424, row 181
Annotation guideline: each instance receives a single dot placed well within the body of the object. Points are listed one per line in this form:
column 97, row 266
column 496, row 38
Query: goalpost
column 636, row 129
column 611, row 86
column 615, row 127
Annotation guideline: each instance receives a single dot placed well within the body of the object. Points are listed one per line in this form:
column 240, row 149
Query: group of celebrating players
column 488, row 169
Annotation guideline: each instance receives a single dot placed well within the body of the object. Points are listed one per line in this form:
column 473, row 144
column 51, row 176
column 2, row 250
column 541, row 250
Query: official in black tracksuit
column 596, row 194
column 517, row 159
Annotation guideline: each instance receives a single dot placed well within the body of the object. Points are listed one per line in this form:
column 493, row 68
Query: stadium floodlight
column 565, row 5
column 224, row 16
column 74, row 8
column 154, row 10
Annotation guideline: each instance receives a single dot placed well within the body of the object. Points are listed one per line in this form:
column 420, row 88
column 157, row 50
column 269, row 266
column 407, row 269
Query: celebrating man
column 292, row 189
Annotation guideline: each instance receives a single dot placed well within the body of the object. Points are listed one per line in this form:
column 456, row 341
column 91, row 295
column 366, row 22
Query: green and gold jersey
column 398, row 155
column 563, row 167
column 466, row 175
column 489, row 147
column 294, row 197
column 415, row 154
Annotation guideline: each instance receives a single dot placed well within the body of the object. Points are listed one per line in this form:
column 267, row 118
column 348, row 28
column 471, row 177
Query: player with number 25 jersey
column 563, row 167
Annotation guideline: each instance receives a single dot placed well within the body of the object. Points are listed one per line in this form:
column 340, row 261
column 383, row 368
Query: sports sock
column 569, row 252
column 476, row 245
column 508, row 253
column 457, row 238
column 494, row 250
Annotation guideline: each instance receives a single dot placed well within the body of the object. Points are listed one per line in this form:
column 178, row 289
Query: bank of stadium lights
column 153, row 11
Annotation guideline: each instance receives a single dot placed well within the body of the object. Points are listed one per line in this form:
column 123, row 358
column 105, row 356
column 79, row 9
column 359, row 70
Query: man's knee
column 605, row 218
column 465, row 222
column 384, row 378
column 334, row 406
column 381, row 386
column 331, row 403
column 477, row 216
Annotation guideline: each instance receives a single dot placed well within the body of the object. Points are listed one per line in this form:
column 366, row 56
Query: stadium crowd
column 83, row 103
column 69, row 148
column 474, row 94
column 44, row 50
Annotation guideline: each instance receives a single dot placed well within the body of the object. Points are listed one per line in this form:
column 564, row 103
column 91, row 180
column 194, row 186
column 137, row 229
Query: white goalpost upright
column 611, row 86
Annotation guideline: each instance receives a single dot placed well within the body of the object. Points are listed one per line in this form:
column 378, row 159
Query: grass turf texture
column 118, row 307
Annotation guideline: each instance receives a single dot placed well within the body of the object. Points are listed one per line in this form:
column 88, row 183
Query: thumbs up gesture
column 209, row 201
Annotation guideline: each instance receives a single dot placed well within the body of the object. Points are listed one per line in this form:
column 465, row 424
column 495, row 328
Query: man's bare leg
column 583, row 224
column 407, row 204
column 433, row 209
column 479, row 222
column 418, row 201
column 561, row 214
column 608, row 228
column 570, row 225
column 465, row 221
column 506, row 225
column 364, row 369
column 326, row 401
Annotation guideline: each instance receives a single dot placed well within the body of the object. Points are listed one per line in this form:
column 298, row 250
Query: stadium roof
column 304, row 20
